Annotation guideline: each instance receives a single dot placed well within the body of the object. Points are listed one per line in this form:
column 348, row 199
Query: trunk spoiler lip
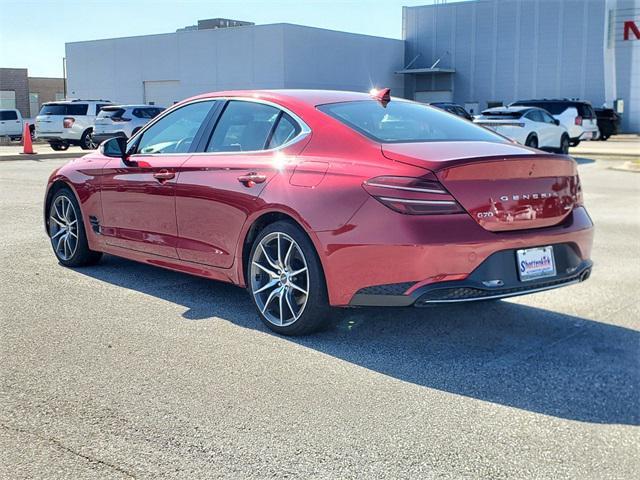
column 440, row 165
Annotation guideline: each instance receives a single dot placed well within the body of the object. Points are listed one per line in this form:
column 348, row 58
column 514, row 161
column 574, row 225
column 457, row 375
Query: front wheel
column 286, row 281
column 67, row 233
column 564, row 144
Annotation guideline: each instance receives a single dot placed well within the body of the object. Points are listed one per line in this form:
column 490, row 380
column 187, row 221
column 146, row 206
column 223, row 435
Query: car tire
column 66, row 231
column 58, row 147
column 532, row 141
column 564, row 144
column 288, row 288
column 86, row 141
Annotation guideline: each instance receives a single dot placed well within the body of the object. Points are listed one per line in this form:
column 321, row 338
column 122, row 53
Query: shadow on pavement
column 501, row 352
column 583, row 160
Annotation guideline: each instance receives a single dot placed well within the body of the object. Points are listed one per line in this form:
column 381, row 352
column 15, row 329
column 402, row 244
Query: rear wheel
column 86, row 141
column 564, row 144
column 532, row 141
column 67, row 233
column 286, row 282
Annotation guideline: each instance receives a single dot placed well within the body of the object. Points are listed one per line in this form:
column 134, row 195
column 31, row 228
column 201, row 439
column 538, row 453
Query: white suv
column 577, row 116
column 69, row 123
column 122, row 121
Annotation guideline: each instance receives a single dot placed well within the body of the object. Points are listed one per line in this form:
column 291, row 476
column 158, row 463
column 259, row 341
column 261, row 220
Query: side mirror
column 116, row 147
column 556, row 121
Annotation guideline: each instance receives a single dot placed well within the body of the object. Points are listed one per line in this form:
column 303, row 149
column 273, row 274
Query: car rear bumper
column 384, row 253
column 499, row 270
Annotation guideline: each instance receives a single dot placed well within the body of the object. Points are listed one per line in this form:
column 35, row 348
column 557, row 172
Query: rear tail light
column 579, row 196
column 68, row 122
column 412, row 195
column 578, row 120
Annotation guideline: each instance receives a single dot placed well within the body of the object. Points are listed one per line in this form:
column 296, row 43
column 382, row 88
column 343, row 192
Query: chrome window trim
column 305, row 130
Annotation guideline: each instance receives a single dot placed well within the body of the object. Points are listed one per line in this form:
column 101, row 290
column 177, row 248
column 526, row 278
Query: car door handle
column 164, row 175
column 250, row 179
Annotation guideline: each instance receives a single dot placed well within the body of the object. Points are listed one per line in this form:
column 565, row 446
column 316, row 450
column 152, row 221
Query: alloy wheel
column 279, row 279
column 63, row 227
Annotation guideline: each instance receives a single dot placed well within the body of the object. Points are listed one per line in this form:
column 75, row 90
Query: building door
column 162, row 93
column 429, row 96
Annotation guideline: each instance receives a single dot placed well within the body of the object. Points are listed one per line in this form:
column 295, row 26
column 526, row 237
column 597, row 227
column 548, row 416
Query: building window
column 7, row 99
column 34, row 103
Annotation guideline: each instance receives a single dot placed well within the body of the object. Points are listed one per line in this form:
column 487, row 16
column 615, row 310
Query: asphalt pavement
column 124, row 370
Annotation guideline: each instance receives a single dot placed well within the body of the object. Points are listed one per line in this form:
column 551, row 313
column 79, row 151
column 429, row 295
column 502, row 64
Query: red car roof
column 309, row 97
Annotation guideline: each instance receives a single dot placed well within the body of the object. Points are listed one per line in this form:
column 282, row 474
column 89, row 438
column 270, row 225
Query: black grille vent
column 389, row 289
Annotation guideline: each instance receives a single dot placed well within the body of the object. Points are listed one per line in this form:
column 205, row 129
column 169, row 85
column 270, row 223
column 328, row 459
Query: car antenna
column 382, row 95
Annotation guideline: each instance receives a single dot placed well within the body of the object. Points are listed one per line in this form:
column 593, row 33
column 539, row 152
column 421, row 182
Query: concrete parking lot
column 127, row 371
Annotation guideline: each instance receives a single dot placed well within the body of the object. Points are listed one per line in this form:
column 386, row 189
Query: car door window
column 174, row 132
column 286, row 130
column 534, row 116
column 243, row 127
column 547, row 118
column 8, row 115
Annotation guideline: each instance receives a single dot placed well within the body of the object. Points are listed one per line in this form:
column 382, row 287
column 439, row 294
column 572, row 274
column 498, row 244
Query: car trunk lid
column 502, row 186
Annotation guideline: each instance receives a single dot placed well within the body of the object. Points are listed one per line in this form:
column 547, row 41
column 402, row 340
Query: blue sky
column 33, row 33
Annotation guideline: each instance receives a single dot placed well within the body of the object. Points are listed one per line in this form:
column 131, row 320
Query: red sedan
column 318, row 198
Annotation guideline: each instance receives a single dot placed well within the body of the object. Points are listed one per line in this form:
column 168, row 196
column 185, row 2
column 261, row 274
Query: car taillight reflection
column 68, row 122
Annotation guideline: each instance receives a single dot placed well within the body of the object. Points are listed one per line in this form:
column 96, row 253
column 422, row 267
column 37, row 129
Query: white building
column 166, row 68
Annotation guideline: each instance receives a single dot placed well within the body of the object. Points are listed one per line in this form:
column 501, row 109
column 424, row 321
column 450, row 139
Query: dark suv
column 608, row 122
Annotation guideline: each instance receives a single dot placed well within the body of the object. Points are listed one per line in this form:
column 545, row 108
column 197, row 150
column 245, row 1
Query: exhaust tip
column 585, row 275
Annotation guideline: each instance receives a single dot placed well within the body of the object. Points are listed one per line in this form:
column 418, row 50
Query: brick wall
column 46, row 88
column 16, row 79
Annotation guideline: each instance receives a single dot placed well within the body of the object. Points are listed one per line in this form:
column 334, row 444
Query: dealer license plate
column 534, row 263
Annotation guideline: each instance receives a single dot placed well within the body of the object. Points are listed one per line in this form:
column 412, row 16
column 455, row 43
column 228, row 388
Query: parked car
column 122, row 121
column 11, row 123
column 608, row 122
column 453, row 108
column 528, row 126
column 576, row 116
column 69, row 122
column 313, row 198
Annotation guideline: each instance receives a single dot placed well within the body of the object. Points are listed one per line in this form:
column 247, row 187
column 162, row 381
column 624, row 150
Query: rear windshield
column 64, row 109
column 107, row 112
column 8, row 115
column 507, row 115
column 403, row 121
column 147, row 112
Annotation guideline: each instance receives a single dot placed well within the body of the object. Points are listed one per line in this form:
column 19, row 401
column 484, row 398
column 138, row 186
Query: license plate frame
column 535, row 263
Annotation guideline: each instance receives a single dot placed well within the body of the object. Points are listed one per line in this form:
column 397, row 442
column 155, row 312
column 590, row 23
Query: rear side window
column 8, row 115
column 535, row 115
column 403, row 121
column 286, row 130
column 76, row 109
column 554, row 108
column 243, row 127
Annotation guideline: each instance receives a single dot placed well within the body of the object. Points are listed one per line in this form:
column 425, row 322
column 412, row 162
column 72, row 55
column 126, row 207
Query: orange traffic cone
column 26, row 140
